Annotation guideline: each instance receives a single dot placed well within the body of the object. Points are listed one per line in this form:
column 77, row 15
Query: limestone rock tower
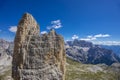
column 37, row 57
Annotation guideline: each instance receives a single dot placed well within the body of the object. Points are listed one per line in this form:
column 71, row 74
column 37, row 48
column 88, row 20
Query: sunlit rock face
column 37, row 57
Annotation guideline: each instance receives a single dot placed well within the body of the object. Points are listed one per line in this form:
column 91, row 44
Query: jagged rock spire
column 27, row 19
column 37, row 57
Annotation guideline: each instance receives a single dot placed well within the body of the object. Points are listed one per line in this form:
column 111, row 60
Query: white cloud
column 55, row 24
column 102, row 35
column 43, row 32
column 106, row 42
column 89, row 36
column 94, row 37
column 88, row 39
column 75, row 37
column 13, row 29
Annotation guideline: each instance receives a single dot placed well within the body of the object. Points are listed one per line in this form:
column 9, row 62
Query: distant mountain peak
column 86, row 52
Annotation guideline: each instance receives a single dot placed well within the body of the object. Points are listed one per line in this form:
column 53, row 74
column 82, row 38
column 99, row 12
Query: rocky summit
column 37, row 57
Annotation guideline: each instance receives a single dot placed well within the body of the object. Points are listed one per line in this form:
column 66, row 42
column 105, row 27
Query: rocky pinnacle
column 37, row 57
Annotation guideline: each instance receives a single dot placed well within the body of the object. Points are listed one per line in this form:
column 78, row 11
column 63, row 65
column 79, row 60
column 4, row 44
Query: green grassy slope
column 79, row 71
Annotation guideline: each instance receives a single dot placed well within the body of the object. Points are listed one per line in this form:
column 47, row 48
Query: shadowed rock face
column 37, row 57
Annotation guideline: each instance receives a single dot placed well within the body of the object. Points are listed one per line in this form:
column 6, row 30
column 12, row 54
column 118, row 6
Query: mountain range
column 114, row 48
column 88, row 53
column 78, row 50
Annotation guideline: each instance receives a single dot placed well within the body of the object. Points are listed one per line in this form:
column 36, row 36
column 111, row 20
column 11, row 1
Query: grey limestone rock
column 37, row 57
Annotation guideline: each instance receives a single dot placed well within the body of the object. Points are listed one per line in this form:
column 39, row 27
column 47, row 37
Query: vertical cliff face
column 37, row 57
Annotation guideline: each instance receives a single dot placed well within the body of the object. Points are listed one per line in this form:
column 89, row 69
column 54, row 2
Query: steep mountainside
column 98, row 55
column 114, row 48
column 86, row 52
column 5, row 59
column 7, row 46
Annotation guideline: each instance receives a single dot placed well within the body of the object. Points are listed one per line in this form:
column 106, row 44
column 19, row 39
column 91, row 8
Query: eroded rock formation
column 37, row 57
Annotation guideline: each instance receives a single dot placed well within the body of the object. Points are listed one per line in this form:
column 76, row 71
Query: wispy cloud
column 13, row 29
column 106, row 42
column 88, row 39
column 94, row 37
column 55, row 24
column 43, row 32
column 75, row 37
column 101, row 35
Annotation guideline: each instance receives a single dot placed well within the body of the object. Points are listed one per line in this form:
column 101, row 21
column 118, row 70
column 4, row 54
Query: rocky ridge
column 88, row 53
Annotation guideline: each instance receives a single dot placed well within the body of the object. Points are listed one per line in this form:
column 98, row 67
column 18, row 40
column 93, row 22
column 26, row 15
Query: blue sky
column 76, row 18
